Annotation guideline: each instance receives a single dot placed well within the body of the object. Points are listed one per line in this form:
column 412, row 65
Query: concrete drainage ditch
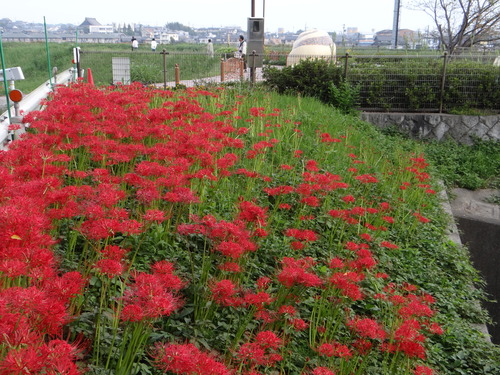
column 478, row 223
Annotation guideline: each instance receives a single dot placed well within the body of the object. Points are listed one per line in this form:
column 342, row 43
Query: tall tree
column 463, row 23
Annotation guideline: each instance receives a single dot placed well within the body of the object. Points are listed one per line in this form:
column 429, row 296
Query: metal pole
column 177, row 75
column 48, row 53
column 6, row 87
column 253, row 9
column 345, row 66
column 222, row 65
column 252, row 69
column 395, row 23
column 164, row 53
column 443, row 81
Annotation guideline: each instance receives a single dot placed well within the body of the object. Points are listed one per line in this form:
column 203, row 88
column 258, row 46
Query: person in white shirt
column 154, row 44
column 135, row 44
column 242, row 50
column 210, row 48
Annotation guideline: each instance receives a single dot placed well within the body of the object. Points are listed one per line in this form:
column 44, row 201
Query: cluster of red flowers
column 187, row 359
column 101, row 166
column 152, row 296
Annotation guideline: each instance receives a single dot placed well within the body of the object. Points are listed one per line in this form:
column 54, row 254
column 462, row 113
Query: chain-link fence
column 387, row 83
column 424, row 83
column 159, row 68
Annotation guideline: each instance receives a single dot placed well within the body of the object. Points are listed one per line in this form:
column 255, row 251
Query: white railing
column 31, row 102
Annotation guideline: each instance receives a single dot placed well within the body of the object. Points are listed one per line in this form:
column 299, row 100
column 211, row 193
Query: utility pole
column 395, row 24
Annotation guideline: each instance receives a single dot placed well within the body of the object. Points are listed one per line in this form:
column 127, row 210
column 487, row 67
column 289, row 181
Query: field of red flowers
column 205, row 232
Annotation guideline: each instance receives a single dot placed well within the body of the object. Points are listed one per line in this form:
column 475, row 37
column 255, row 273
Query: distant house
column 168, row 37
column 92, row 26
column 406, row 38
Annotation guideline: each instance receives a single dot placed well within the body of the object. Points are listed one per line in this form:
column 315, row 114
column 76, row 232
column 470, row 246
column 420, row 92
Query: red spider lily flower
column 263, row 350
column 295, row 272
column 287, row 309
column 187, row 359
column 225, row 293
column 252, row 213
column 156, row 215
column 388, row 245
column 362, row 346
column 54, row 357
column 423, row 370
column 346, row 282
column 366, row 179
column 334, row 349
column 285, row 206
column 307, row 217
column 227, row 161
column 258, row 299
column 322, row 371
column 351, row 246
column 230, row 267
column 181, row 195
column 327, row 138
column 297, row 153
column 366, row 237
column 415, row 308
column 364, row 261
column 384, row 206
column 348, row 199
column 297, row 245
column 336, row 263
column 279, row 190
column 286, row 167
column 152, row 296
column 388, row 219
column 312, row 166
column 299, row 324
column 42, row 310
column 435, row 328
column 263, row 282
column 267, row 317
column 109, row 267
column 367, row 328
column 421, row 218
column 302, row 234
column 260, row 232
column 408, row 339
column 311, row 201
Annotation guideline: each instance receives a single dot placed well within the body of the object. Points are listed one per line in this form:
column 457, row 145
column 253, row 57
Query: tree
column 463, row 23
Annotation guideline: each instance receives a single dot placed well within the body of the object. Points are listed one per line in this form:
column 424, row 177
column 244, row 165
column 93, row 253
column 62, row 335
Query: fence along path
column 31, row 102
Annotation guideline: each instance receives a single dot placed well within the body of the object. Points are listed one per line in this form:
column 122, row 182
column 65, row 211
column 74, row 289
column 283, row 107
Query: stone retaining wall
column 438, row 126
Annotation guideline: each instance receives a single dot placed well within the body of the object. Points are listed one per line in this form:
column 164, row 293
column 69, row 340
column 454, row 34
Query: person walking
column 210, row 48
column 242, row 50
column 154, row 44
column 135, row 44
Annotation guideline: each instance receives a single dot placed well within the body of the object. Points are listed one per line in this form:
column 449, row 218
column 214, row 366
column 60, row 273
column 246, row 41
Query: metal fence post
column 242, row 67
column 164, row 53
column 177, row 74
column 222, row 66
column 253, row 69
column 346, row 65
column 443, row 81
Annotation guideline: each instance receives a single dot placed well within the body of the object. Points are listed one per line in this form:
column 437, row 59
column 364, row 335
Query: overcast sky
column 292, row 15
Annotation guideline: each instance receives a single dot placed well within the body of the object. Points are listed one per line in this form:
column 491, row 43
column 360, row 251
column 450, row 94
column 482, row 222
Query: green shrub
column 344, row 96
column 311, row 77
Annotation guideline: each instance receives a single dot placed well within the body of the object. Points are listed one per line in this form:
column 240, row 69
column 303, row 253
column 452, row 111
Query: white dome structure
column 312, row 44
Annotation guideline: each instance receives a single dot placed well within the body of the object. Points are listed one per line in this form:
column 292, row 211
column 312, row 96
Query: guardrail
column 31, row 102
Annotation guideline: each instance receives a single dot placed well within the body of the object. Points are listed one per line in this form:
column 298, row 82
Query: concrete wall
column 438, row 126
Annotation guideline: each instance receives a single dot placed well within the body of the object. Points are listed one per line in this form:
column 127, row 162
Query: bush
column 310, row 77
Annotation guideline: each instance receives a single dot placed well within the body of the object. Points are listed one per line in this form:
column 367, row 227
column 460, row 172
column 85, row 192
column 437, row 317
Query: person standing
column 242, row 50
column 135, row 44
column 154, row 44
column 210, row 48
